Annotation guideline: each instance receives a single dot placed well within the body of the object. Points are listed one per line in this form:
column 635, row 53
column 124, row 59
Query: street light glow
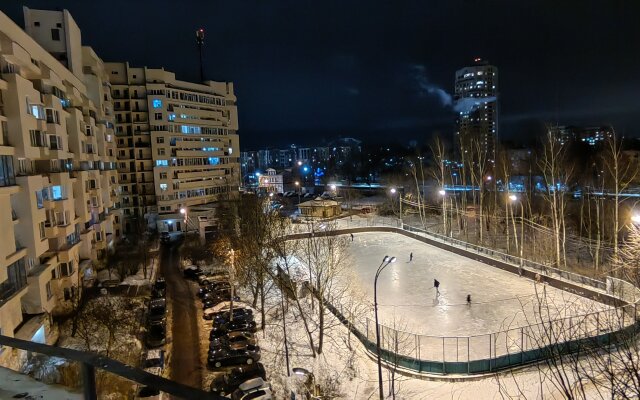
column 513, row 197
column 333, row 187
column 393, row 190
column 635, row 218
column 183, row 211
column 297, row 183
column 442, row 192
column 271, row 194
column 299, row 163
column 392, row 260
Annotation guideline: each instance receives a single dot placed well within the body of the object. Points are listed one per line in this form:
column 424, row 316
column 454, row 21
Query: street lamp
column 393, row 191
column 385, row 261
column 635, row 218
column 513, row 199
column 443, row 193
column 183, row 211
column 298, row 190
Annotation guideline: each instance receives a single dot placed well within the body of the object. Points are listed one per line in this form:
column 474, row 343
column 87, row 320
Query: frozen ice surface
column 408, row 299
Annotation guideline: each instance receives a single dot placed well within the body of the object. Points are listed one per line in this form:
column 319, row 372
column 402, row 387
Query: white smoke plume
column 427, row 88
column 468, row 104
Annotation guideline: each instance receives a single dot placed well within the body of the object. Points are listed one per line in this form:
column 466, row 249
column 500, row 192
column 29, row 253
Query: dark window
column 36, row 23
column 55, row 34
column 59, row 24
column 7, row 176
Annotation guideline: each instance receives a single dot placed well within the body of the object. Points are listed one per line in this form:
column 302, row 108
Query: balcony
column 8, row 290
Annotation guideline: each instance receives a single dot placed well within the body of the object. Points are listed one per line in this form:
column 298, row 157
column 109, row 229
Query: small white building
column 271, row 182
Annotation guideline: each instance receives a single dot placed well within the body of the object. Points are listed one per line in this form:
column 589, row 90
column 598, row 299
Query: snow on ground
column 406, row 289
column 14, row 385
column 353, row 370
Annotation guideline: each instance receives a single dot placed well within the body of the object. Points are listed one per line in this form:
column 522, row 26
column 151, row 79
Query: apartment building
column 57, row 170
column 178, row 146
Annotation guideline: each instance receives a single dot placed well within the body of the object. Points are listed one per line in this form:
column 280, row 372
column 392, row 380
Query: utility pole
column 232, row 267
column 200, row 42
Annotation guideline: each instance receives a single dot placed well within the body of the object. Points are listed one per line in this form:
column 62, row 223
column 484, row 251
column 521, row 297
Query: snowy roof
column 318, row 202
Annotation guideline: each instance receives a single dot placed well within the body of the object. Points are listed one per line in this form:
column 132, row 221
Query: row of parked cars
column 232, row 341
column 155, row 336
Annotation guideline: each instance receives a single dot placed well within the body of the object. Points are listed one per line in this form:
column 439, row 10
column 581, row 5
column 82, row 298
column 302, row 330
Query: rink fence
column 508, row 348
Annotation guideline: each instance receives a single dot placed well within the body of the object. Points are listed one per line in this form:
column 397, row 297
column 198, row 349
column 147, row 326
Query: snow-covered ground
column 406, row 289
column 14, row 385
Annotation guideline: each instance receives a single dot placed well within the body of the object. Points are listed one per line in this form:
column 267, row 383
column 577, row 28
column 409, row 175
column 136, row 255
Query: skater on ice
column 352, row 237
column 411, row 257
column 436, row 285
column 469, row 299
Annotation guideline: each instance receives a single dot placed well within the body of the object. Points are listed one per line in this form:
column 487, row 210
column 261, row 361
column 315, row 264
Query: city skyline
column 367, row 70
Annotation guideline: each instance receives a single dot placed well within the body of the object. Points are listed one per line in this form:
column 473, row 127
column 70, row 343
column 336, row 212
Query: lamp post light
column 298, row 190
column 443, row 193
column 393, row 191
column 385, row 261
column 513, row 199
column 183, row 211
column 635, row 218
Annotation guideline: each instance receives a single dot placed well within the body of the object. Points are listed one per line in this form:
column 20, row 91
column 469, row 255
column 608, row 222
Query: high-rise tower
column 476, row 104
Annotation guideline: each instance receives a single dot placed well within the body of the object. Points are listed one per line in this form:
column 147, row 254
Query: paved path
column 185, row 352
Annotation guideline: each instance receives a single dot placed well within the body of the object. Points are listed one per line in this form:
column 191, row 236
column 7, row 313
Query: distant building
column 248, row 164
column 592, row 135
column 476, row 104
column 271, row 182
column 320, row 208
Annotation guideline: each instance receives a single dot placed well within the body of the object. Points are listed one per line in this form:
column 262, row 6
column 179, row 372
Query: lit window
column 163, row 186
column 172, row 117
column 214, row 160
column 56, row 192
column 162, row 163
column 157, row 103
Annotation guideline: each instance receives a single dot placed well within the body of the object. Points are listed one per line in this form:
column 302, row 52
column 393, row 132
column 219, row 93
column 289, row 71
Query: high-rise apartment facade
column 57, row 169
column 476, row 104
column 178, row 146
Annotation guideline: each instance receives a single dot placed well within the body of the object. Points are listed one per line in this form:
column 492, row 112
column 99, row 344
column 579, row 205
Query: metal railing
column 496, row 350
column 90, row 361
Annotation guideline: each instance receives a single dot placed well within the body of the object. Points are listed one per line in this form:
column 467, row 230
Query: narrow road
column 185, row 351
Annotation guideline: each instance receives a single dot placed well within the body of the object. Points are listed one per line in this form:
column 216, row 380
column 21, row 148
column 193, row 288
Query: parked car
column 149, row 393
column 165, row 237
column 160, row 283
column 233, row 326
column 228, row 356
column 158, row 293
column 154, row 361
column 238, row 314
column 230, row 381
column 253, row 389
column 204, row 290
column 156, row 334
column 234, row 340
column 157, row 310
column 212, row 301
column 192, row 272
column 210, row 313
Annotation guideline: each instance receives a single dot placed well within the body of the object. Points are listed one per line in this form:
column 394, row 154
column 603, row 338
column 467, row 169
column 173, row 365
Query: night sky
column 307, row 71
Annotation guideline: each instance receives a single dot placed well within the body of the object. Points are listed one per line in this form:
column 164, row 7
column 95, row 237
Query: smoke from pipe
column 426, row 88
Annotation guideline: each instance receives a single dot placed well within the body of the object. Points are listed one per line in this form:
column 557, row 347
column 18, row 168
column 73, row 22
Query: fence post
column 468, row 355
column 367, row 328
column 89, row 382
column 444, row 370
column 489, row 352
column 521, row 345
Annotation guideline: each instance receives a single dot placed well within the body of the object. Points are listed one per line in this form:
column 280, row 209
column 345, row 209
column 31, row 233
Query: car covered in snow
column 254, row 389
column 154, row 361
column 157, row 310
column 192, row 272
column 227, row 383
column 244, row 314
column 210, row 313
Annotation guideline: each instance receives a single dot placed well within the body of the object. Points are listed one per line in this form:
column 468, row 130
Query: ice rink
column 408, row 300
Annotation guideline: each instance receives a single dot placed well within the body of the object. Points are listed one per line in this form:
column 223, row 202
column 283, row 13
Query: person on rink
column 468, row 299
column 436, row 285
column 410, row 256
column 352, row 237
